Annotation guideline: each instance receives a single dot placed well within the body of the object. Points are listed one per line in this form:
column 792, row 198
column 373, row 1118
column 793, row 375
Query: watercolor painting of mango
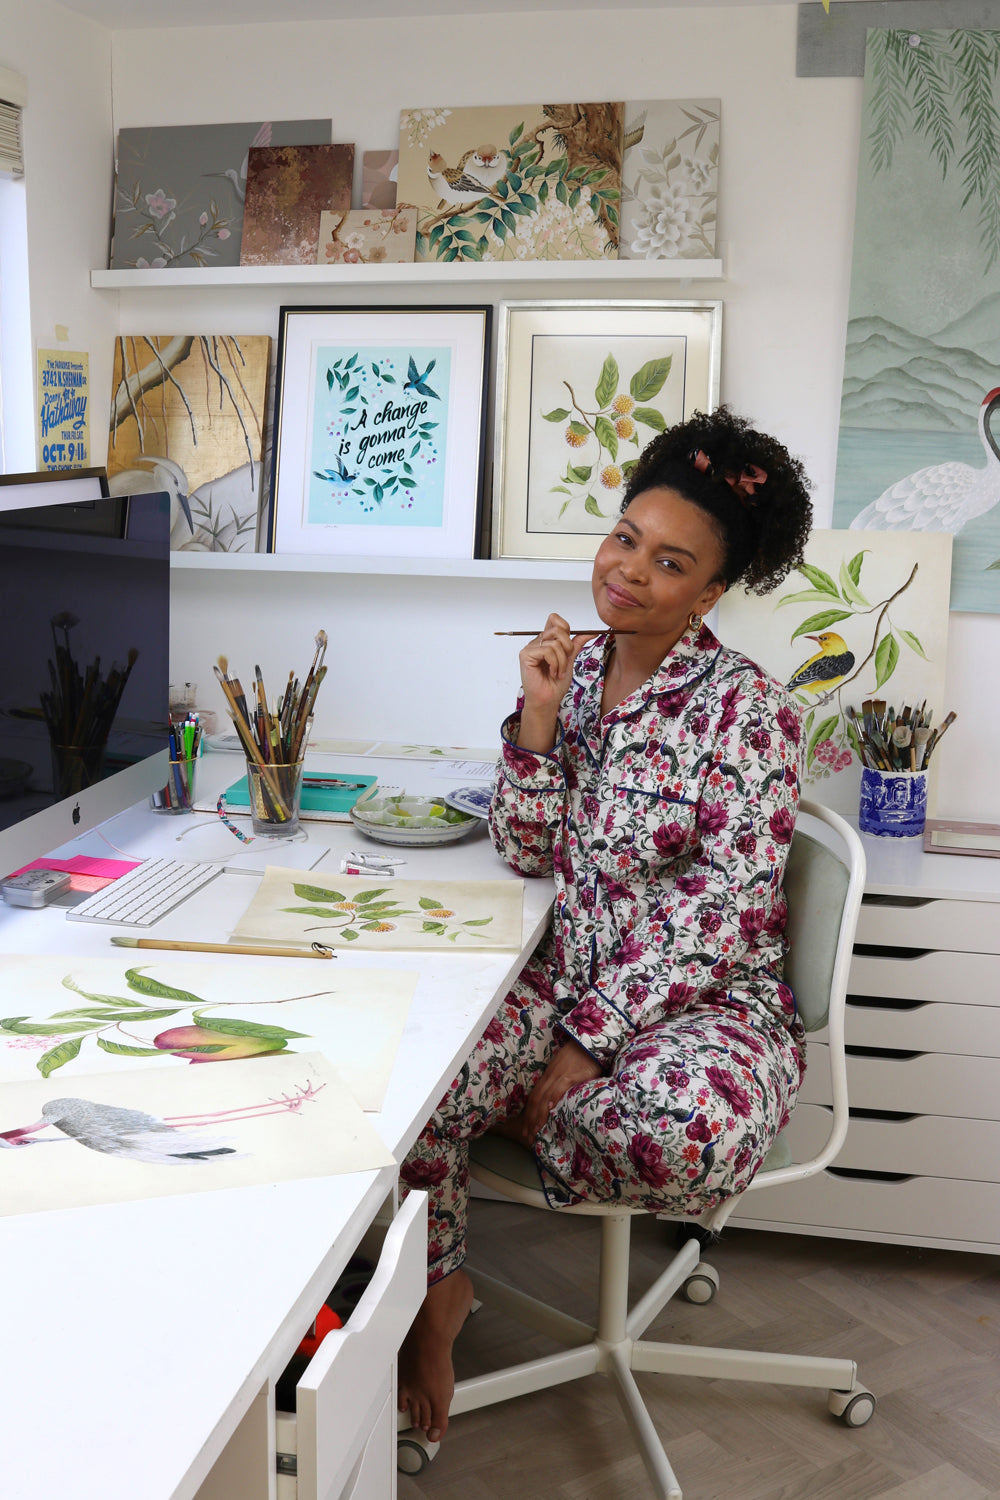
column 85, row 1015
column 513, row 182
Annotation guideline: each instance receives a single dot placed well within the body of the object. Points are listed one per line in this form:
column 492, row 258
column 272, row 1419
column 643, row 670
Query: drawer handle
column 894, row 1054
column 862, row 1175
column 884, row 1002
column 881, row 1114
column 889, row 950
column 906, row 902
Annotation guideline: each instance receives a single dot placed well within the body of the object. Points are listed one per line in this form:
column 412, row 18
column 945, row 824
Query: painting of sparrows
column 825, row 668
column 476, row 174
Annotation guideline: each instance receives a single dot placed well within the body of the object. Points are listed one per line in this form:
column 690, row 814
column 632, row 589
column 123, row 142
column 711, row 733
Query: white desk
column 136, row 1337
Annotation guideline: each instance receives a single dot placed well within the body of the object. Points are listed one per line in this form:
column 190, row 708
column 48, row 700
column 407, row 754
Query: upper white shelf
column 556, row 570
column 429, row 272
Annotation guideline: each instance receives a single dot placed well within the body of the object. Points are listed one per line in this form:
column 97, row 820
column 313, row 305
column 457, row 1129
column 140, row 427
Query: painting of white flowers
column 513, row 182
column 582, row 387
column 118, row 1137
column 865, row 616
column 180, row 190
column 670, row 175
column 83, row 1015
column 343, row 911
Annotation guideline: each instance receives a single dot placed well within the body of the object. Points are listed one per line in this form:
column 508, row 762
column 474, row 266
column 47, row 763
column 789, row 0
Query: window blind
column 11, row 153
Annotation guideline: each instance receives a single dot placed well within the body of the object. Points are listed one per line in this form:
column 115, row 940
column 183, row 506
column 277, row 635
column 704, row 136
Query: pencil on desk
column 318, row 950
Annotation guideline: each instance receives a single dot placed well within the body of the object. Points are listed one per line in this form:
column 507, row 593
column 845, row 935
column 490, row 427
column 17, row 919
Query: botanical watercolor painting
column 187, row 416
column 379, row 170
column 366, row 237
column 348, row 910
column 380, row 427
column 180, row 189
column 670, row 179
column 87, row 1014
column 922, row 366
column 865, row 616
column 118, row 1137
column 605, row 414
column 518, row 182
column 582, row 388
column 288, row 188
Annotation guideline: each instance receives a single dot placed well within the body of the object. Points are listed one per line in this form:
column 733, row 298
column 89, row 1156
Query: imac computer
column 84, row 611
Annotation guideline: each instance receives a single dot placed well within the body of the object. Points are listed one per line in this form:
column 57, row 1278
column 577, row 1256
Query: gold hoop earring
column 694, row 622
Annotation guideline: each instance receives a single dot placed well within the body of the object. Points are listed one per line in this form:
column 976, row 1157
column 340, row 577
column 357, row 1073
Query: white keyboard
column 145, row 894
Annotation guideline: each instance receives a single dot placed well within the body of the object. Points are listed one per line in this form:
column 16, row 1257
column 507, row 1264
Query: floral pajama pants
column 686, row 1116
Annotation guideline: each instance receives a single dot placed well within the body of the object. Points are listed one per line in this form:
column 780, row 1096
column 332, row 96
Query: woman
column 649, row 1052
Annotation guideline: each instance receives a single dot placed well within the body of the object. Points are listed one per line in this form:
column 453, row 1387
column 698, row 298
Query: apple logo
column 76, row 814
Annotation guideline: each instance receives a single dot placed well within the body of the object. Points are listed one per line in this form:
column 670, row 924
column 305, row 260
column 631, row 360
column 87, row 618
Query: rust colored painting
column 288, row 188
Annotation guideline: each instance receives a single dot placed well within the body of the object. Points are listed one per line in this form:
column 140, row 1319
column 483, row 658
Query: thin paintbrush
column 599, row 631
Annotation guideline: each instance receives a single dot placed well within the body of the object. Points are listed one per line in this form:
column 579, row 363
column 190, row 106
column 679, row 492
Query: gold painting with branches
column 865, row 616
column 187, row 416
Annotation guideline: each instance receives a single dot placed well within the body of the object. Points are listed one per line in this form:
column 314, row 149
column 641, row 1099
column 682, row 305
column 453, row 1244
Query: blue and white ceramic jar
column 893, row 803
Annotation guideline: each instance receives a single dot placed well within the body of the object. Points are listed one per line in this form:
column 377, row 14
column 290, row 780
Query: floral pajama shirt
column 666, row 825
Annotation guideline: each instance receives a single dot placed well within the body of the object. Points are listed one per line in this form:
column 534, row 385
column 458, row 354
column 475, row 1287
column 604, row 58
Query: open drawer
column 340, row 1443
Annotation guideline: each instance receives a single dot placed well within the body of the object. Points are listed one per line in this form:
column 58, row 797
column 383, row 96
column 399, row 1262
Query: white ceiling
column 142, row 14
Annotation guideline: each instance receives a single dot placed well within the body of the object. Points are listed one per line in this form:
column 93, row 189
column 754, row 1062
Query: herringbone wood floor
column 923, row 1326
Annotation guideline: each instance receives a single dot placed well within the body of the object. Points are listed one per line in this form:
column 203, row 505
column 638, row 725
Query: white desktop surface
column 135, row 1336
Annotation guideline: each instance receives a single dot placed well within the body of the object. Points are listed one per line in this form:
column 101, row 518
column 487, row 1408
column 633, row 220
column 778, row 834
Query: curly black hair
column 762, row 535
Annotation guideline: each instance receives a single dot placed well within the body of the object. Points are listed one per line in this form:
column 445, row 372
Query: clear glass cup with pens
column 185, row 743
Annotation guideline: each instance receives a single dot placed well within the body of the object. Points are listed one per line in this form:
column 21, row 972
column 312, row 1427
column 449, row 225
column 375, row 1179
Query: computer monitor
column 84, row 642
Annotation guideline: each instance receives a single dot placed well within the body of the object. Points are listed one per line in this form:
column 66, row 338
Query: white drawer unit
column 340, row 1443
column 921, row 1163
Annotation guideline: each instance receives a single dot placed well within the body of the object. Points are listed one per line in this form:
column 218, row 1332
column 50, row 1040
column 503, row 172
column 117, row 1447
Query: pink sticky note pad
column 84, row 864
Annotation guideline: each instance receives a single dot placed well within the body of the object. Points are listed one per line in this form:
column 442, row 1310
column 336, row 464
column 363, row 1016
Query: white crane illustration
column 944, row 497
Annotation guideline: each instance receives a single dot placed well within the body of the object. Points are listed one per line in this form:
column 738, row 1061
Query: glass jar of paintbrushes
column 895, row 752
column 273, row 733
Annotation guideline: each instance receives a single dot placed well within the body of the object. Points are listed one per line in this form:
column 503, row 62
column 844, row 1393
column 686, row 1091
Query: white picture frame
column 347, row 478
column 571, row 378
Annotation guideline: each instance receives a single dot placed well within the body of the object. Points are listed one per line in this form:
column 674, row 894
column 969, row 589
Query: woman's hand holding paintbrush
column 546, row 672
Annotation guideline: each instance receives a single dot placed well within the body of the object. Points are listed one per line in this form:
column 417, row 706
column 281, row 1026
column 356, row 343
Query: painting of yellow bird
column 825, row 668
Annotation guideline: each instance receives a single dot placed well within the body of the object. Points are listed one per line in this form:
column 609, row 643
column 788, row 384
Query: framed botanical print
column 582, row 387
column 379, row 431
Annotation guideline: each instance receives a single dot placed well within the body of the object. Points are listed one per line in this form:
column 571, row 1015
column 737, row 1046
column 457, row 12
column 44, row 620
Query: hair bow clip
column 746, row 482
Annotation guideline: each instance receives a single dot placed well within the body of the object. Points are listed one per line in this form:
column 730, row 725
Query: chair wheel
column 855, row 1407
column 702, row 1285
column 414, row 1452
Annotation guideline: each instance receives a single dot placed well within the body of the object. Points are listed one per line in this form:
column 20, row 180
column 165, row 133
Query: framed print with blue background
column 582, row 387
column 379, row 431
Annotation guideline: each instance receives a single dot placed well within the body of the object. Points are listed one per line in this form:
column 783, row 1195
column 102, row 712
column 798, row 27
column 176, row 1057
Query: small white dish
column 416, row 822
column 471, row 799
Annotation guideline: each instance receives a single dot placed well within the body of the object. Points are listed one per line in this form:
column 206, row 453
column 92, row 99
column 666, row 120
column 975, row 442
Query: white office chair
column 823, row 890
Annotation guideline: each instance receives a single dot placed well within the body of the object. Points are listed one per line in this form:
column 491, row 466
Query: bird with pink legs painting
column 266, row 1120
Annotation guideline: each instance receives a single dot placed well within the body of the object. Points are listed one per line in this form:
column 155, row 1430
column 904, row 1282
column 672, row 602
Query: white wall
column 417, row 658
column 68, row 156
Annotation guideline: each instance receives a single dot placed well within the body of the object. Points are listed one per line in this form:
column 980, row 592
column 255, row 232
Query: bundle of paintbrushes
column 81, row 707
column 887, row 741
column 274, row 732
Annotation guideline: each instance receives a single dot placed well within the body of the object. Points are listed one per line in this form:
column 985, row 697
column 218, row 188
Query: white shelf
column 432, row 272
column 555, row 571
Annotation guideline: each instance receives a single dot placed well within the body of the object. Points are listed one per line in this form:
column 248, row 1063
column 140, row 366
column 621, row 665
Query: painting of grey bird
column 127, row 1133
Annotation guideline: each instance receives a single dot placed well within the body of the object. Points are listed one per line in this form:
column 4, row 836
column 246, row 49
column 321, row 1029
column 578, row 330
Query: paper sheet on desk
column 123, row 1005
column 461, row 770
column 358, row 911
column 118, row 1137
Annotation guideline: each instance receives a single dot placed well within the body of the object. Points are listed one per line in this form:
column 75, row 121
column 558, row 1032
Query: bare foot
column 426, row 1373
